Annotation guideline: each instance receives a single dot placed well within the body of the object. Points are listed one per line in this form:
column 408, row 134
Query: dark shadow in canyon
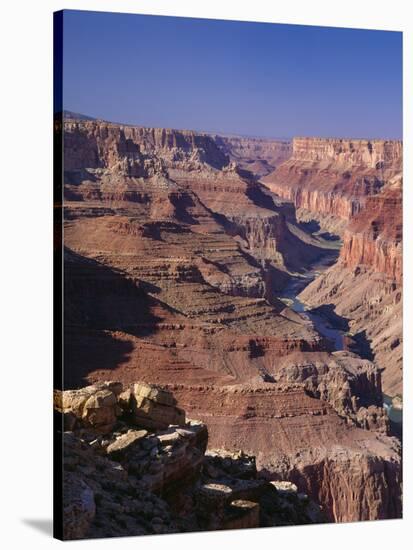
column 181, row 204
column 99, row 302
column 263, row 198
column 327, row 311
column 360, row 344
column 89, row 350
column 327, row 236
column 98, row 297
column 357, row 343
column 300, row 256
column 311, row 226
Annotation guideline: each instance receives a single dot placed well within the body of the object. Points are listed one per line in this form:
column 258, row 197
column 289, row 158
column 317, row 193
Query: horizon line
column 81, row 117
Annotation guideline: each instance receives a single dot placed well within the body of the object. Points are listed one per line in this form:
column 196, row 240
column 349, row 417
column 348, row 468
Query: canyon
column 363, row 204
column 179, row 250
column 257, row 155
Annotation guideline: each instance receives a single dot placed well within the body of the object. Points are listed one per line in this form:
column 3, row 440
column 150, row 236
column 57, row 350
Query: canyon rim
column 229, row 346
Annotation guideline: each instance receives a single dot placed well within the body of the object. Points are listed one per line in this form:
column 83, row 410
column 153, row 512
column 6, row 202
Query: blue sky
column 255, row 79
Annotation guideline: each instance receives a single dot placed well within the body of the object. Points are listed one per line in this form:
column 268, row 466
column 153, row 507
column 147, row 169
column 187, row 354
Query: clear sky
column 258, row 79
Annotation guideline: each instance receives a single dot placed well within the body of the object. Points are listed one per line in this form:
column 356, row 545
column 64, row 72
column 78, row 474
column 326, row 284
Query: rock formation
column 175, row 258
column 131, row 481
column 355, row 188
column 365, row 285
column 329, row 179
column 259, row 156
column 354, row 473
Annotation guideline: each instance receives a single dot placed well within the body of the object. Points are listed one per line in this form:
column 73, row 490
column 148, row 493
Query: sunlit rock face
column 331, row 178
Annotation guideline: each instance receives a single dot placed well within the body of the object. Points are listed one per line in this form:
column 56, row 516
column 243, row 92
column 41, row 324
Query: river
column 321, row 324
column 324, row 328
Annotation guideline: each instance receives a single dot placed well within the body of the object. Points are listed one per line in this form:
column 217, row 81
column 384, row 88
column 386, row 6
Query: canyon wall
column 354, row 473
column 329, row 179
column 365, row 286
column 354, row 188
column 259, row 156
column 99, row 144
column 349, row 153
column 374, row 236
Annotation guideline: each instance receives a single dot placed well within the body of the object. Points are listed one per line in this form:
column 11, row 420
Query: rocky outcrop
column 98, row 144
column 352, row 472
column 93, row 406
column 133, row 482
column 152, row 407
column 352, row 386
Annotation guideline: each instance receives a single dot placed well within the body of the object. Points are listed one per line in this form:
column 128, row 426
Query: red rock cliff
column 366, row 283
column 98, row 144
column 374, row 236
column 332, row 177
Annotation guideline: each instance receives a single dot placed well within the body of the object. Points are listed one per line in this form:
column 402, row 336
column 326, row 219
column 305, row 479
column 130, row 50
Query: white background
column 26, row 267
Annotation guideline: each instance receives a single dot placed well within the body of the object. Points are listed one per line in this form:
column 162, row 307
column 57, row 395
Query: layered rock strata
column 259, row 156
column 130, row 481
column 365, row 285
column 354, row 187
column 329, row 179
column 354, row 473
column 174, row 256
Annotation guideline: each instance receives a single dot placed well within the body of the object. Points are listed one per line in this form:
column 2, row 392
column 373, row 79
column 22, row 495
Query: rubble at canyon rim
column 127, row 470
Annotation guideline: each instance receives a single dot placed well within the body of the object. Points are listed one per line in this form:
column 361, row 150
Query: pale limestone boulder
column 242, row 514
column 285, row 486
column 153, row 415
column 93, row 407
column 153, row 393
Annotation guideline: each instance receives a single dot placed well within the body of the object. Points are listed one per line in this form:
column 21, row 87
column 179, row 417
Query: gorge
column 259, row 282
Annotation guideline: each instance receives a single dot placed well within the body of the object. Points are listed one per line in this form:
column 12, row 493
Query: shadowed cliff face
column 176, row 258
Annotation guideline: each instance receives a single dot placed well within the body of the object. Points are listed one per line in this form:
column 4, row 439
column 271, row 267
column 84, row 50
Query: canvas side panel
column 57, row 266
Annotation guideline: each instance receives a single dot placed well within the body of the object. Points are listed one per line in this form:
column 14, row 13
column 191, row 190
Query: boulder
column 100, row 411
column 125, row 443
column 242, row 514
column 155, row 408
column 164, row 397
column 92, row 407
column 285, row 487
